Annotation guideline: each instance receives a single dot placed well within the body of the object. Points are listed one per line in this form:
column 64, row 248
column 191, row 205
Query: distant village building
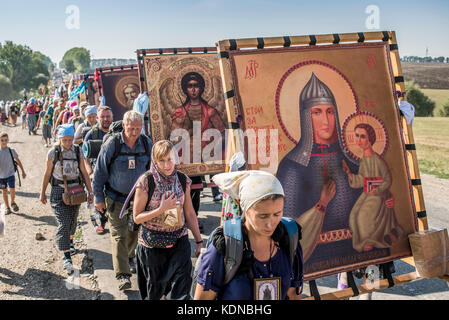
column 101, row 63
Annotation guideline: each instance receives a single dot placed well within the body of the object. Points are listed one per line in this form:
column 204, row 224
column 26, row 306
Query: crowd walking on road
column 136, row 189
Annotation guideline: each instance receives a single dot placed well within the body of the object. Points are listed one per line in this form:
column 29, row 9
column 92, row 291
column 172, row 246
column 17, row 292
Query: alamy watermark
column 209, row 146
column 72, row 21
column 372, row 22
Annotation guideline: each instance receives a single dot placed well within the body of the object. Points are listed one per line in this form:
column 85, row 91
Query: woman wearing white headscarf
column 265, row 254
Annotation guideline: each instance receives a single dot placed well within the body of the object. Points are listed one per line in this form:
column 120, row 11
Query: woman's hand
column 198, row 249
column 168, row 203
column 43, row 198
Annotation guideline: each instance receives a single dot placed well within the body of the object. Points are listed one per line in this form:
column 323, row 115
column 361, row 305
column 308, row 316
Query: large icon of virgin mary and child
column 316, row 177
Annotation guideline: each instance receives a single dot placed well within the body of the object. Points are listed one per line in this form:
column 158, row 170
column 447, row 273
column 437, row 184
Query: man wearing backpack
column 104, row 117
column 98, row 131
column 123, row 158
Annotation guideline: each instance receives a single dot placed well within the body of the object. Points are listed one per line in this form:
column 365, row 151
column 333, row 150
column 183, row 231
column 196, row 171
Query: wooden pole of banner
column 226, row 46
column 368, row 287
column 409, row 139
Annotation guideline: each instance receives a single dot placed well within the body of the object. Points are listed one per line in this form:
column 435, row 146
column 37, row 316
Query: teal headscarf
column 66, row 130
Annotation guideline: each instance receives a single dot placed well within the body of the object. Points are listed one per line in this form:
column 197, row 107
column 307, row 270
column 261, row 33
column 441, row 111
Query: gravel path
column 31, row 269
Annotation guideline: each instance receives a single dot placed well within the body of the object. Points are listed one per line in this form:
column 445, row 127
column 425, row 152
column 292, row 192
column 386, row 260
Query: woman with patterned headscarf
column 163, row 207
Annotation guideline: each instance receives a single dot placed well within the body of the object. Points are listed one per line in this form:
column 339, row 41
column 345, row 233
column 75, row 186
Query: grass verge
column 432, row 145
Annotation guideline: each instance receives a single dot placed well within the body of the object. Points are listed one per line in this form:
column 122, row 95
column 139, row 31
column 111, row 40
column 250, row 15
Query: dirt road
column 32, row 269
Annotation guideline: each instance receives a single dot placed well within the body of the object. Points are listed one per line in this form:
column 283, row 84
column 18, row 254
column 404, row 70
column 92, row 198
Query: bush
column 444, row 111
column 6, row 90
column 424, row 106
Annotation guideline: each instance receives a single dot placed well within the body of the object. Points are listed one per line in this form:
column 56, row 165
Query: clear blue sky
column 115, row 29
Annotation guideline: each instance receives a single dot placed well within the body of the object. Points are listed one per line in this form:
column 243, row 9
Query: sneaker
column 72, row 249
column 132, row 265
column 46, row 145
column 68, row 266
column 124, row 282
column 15, row 207
column 218, row 197
column 100, row 230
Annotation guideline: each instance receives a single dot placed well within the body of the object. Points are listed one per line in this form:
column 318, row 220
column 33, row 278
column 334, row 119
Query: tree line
column 425, row 59
column 21, row 67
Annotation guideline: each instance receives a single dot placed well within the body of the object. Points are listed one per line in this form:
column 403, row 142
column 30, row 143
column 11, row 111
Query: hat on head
column 90, row 110
column 66, row 130
column 248, row 186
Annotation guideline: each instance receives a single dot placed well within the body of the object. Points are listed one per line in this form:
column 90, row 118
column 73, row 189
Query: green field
column 432, row 145
column 440, row 96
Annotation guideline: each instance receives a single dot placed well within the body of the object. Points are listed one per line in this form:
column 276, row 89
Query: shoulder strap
column 183, row 179
column 151, row 187
column 12, row 158
column 293, row 234
column 78, row 158
column 118, row 147
column 95, row 132
column 234, row 247
column 55, row 159
column 57, row 152
column 146, row 145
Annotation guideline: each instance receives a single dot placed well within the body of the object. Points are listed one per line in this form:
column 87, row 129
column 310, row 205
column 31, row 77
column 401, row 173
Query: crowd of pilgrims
column 149, row 235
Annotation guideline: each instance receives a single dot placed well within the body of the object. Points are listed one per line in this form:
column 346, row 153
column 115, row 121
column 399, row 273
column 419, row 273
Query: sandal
column 15, row 207
column 8, row 211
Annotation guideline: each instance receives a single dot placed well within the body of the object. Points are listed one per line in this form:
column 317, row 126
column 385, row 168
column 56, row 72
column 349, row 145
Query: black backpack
column 95, row 131
column 116, row 127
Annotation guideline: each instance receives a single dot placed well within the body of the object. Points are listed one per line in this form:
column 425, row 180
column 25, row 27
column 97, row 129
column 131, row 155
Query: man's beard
column 104, row 127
